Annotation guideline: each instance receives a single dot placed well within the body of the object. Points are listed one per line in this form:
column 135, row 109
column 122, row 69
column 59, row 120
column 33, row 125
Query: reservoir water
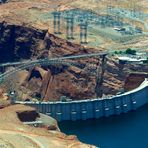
column 123, row 131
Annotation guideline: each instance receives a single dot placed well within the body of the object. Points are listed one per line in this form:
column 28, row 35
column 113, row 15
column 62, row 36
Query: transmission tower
column 90, row 15
column 57, row 20
column 103, row 21
column 109, row 13
column 139, row 13
column 70, row 26
column 118, row 17
column 83, row 32
column 109, row 8
column 133, row 8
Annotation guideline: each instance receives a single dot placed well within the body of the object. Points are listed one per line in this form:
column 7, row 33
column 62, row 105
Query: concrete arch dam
column 94, row 108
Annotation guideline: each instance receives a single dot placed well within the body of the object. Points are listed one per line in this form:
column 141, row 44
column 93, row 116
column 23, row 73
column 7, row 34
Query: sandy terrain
column 14, row 134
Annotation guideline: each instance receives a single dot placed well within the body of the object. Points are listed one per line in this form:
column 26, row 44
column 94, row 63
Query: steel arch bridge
column 67, row 61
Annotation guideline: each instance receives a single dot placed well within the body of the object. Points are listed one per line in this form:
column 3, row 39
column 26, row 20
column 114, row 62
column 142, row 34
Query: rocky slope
column 50, row 82
column 13, row 133
column 25, row 34
column 134, row 80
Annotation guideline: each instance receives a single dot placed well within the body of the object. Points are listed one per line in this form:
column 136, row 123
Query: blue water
column 123, row 131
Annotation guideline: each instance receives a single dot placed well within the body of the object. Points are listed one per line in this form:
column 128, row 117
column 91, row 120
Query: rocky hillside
column 50, row 82
column 26, row 34
column 19, row 42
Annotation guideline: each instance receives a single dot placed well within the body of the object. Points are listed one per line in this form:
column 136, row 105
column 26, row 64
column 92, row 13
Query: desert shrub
column 130, row 51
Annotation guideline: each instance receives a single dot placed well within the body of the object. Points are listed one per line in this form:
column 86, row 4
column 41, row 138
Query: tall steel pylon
column 133, row 9
column 70, row 26
column 56, row 23
column 109, row 13
column 118, row 17
column 109, row 8
column 83, row 32
column 103, row 21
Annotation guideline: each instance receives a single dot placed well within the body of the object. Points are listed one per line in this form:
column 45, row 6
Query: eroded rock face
column 26, row 35
column 52, row 82
column 77, row 84
column 48, row 82
column 134, row 80
column 19, row 42
column 66, row 83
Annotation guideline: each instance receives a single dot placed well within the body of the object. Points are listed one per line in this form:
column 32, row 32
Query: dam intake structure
column 94, row 108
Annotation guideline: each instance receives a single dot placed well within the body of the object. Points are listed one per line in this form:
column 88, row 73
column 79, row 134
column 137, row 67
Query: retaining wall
column 95, row 108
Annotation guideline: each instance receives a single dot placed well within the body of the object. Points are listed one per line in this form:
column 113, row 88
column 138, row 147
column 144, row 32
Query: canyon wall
column 19, row 43
column 134, row 80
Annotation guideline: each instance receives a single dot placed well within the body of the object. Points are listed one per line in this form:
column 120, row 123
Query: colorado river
column 124, row 131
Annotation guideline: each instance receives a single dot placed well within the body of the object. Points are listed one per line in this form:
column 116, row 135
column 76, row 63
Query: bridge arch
column 53, row 61
column 40, row 62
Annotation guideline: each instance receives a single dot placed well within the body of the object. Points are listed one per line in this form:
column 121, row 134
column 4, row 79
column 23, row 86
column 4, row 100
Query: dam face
column 94, row 108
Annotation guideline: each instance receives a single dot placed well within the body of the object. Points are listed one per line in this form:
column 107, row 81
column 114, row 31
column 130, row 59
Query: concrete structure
column 34, row 123
column 128, row 59
column 95, row 108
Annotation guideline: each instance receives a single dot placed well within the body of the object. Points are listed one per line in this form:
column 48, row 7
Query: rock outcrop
column 50, row 82
column 26, row 34
column 47, row 134
column 19, row 42
column 134, row 80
